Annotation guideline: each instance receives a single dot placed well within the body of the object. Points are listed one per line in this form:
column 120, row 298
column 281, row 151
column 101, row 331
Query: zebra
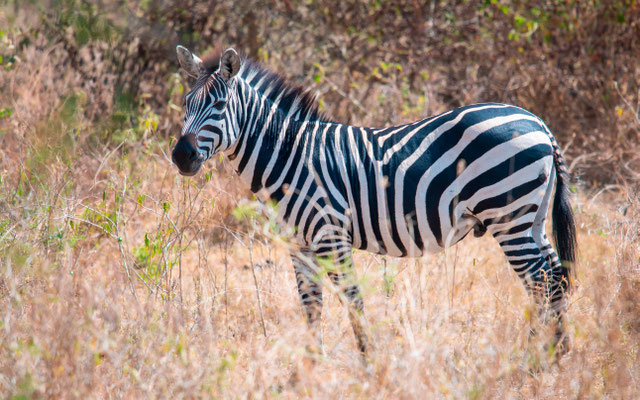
column 401, row 191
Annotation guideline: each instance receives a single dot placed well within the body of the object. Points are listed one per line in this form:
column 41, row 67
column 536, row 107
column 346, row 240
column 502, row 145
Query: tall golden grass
column 83, row 314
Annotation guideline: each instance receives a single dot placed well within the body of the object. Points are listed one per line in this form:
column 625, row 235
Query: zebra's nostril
column 193, row 156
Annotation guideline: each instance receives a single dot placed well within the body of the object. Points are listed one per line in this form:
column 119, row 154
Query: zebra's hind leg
column 557, row 283
column 556, row 293
column 521, row 234
column 531, row 256
column 310, row 290
column 540, row 270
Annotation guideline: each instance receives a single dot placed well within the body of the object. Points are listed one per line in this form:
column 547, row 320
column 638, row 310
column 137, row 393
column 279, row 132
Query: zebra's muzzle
column 189, row 173
column 186, row 155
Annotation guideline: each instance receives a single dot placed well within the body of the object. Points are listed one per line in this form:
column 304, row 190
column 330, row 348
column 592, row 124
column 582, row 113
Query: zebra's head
column 208, row 123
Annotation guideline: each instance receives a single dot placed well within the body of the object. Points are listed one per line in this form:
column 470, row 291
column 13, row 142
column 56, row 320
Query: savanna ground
column 121, row 279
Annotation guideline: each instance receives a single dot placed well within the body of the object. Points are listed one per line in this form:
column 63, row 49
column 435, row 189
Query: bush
column 573, row 63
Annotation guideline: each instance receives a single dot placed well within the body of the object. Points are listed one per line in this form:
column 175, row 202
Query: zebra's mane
column 291, row 98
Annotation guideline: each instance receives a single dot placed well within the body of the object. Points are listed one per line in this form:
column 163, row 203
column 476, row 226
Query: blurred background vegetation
column 114, row 72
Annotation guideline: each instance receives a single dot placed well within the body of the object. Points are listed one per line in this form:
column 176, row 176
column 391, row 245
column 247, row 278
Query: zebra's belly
column 386, row 222
column 409, row 235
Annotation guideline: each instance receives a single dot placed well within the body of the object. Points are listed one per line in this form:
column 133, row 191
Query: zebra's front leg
column 345, row 279
column 310, row 291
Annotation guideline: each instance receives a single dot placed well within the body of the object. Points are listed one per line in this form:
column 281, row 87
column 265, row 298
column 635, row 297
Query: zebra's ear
column 191, row 63
column 229, row 64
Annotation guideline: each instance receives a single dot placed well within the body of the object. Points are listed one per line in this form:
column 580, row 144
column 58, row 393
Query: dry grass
column 72, row 326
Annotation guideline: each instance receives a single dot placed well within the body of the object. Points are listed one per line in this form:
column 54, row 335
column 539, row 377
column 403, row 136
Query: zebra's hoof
column 561, row 346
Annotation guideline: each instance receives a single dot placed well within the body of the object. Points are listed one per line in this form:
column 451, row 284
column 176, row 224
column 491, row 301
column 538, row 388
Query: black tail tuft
column 564, row 228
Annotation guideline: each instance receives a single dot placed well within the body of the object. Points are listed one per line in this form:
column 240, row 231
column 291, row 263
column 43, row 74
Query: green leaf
column 244, row 210
column 140, row 199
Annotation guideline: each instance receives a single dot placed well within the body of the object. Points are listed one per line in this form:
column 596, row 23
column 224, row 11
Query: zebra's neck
column 273, row 146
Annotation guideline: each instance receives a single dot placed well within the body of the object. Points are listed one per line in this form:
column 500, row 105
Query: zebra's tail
column 564, row 228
